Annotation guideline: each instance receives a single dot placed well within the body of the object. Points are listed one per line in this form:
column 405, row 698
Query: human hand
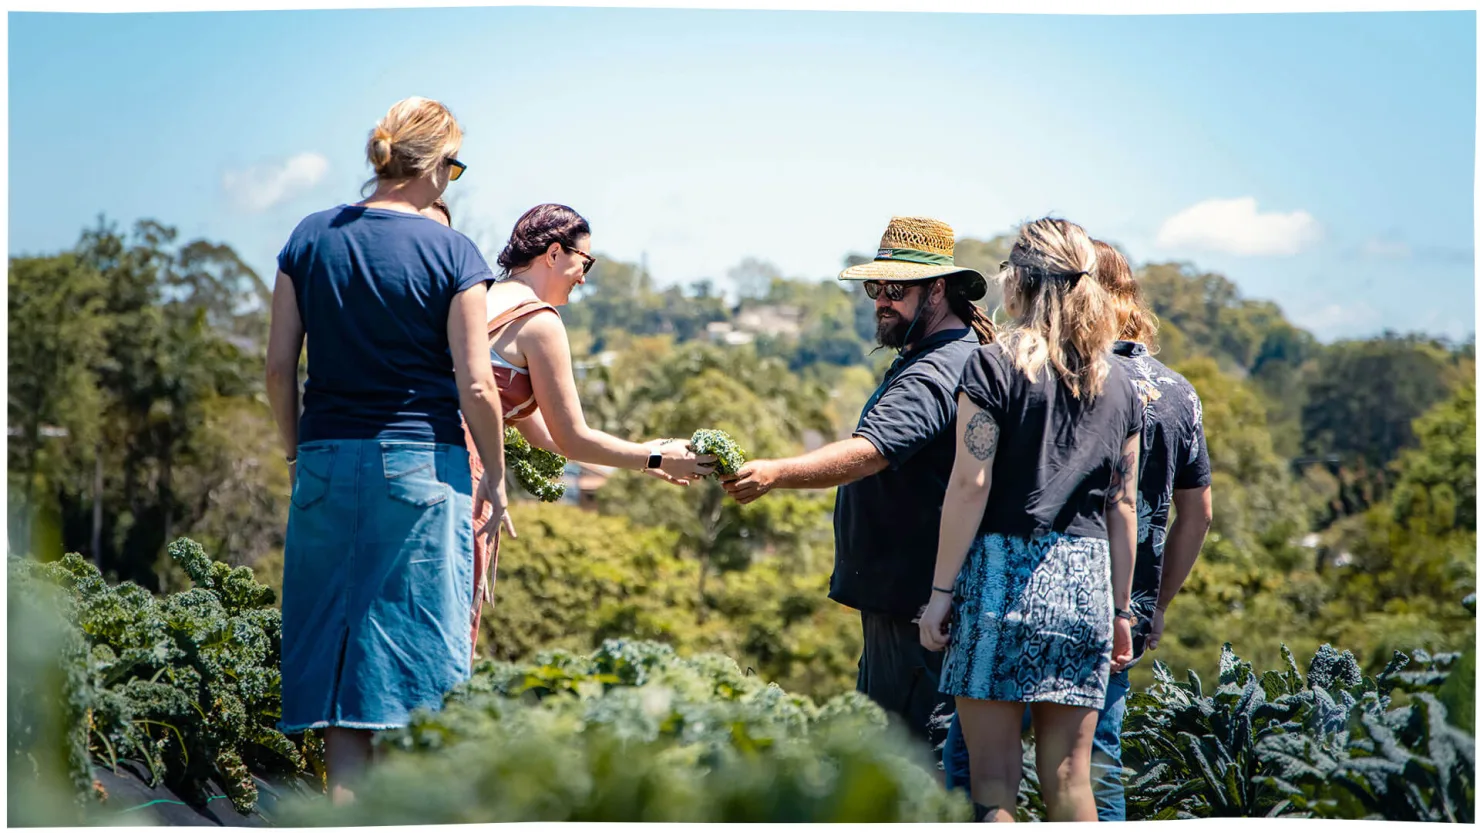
column 1158, row 621
column 751, row 480
column 491, row 507
column 680, row 462
column 1121, row 651
column 935, row 622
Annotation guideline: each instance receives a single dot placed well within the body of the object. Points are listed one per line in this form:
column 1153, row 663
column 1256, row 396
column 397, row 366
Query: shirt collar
column 934, row 340
column 1130, row 348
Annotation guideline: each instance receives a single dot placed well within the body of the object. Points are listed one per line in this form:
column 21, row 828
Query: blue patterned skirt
column 1032, row 621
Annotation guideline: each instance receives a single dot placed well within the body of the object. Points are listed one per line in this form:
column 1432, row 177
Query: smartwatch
column 655, row 460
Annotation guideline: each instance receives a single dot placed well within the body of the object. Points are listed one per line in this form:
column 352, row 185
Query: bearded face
column 893, row 318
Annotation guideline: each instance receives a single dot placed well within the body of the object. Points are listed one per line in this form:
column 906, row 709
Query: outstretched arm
column 831, row 465
column 548, row 352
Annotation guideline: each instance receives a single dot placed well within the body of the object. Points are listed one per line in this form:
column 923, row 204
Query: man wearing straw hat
column 892, row 472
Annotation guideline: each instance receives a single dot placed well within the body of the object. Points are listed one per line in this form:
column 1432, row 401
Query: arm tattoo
column 1123, row 482
column 981, row 436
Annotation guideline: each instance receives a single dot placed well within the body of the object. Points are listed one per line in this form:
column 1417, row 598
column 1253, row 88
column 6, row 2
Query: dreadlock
column 967, row 311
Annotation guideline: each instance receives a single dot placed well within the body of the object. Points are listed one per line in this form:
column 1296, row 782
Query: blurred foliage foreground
column 187, row 685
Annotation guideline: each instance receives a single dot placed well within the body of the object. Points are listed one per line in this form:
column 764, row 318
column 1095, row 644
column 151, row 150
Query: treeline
column 1344, row 473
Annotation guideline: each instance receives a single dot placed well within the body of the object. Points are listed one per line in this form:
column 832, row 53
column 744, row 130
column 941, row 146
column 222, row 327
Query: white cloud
column 261, row 187
column 1386, row 248
column 1339, row 320
column 1238, row 227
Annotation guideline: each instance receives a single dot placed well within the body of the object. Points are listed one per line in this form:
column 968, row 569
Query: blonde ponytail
column 1064, row 320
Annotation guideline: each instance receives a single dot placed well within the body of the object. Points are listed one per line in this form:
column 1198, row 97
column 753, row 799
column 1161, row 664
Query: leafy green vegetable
column 537, row 470
column 635, row 732
column 712, row 441
column 188, row 684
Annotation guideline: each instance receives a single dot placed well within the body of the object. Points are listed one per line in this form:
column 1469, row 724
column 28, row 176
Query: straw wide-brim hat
column 917, row 249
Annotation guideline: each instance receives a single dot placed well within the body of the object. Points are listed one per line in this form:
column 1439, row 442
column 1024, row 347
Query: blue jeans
column 1104, row 764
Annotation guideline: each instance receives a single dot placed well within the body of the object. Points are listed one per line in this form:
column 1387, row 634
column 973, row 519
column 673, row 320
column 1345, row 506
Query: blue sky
column 1325, row 161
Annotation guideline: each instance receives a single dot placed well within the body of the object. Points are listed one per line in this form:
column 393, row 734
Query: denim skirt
column 377, row 582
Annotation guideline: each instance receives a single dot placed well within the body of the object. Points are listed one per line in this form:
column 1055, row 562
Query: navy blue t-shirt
column 374, row 289
column 885, row 526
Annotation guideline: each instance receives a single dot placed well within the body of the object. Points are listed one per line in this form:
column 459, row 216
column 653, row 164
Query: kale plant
column 537, row 470
column 189, row 684
column 712, row 441
column 635, row 732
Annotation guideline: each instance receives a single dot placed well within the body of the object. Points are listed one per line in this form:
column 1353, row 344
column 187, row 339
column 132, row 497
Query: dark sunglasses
column 457, row 169
column 589, row 260
column 892, row 291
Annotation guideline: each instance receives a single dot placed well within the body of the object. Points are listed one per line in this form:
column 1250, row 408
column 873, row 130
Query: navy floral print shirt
column 1174, row 455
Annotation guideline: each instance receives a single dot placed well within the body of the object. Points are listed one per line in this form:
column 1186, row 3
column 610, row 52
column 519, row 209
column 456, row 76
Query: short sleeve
column 913, row 410
column 1194, row 466
column 470, row 267
column 1135, row 419
column 984, row 381
column 290, row 259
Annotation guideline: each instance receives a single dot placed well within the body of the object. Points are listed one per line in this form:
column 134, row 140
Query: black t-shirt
column 885, row 526
column 1055, row 453
column 1174, row 456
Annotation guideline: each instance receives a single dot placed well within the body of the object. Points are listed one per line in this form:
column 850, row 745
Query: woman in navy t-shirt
column 378, row 572
column 1031, row 593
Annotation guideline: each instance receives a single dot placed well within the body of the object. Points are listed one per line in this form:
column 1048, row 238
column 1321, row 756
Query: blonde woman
column 378, row 573
column 1031, row 592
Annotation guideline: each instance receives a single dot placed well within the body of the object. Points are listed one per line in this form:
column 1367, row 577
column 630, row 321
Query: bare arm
column 477, row 393
column 534, row 430
column 1184, row 540
column 831, row 465
column 960, row 513
column 966, row 494
column 547, row 351
column 1120, row 521
column 284, row 345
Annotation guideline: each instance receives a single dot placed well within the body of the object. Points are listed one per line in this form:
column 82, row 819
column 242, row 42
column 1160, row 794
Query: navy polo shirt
column 886, row 525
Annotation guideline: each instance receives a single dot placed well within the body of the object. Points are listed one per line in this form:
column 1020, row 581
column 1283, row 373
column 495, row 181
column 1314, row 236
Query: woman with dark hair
column 547, row 257
column 1031, row 594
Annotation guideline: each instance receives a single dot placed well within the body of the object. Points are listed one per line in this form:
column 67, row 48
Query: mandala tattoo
column 981, row 436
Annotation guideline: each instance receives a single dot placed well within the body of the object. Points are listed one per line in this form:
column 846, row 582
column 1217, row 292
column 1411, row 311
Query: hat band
column 915, row 256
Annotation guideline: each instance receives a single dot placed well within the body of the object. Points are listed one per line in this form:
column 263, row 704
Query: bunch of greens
column 711, row 441
column 537, row 470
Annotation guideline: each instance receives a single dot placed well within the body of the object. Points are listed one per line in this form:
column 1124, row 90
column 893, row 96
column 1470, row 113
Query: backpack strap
column 529, row 306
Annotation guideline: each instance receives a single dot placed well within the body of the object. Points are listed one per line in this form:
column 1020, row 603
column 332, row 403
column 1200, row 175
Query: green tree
column 1410, row 559
column 1361, row 402
column 58, row 336
column 767, row 411
column 1251, row 571
column 573, row 579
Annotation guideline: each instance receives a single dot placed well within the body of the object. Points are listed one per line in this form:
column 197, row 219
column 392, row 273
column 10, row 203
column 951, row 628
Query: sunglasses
column 892, row 291
column 457, row 169
column 589, row 260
